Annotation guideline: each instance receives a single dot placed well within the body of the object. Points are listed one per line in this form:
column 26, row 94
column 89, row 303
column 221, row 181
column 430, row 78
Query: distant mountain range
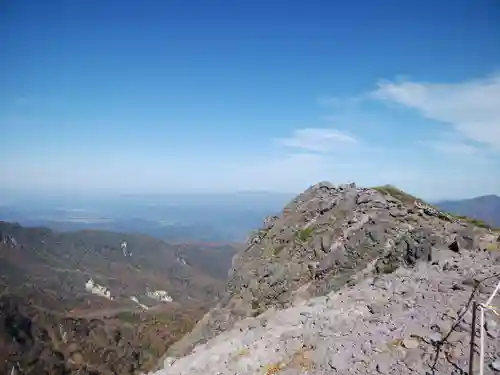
column 485, row 208
column 171, row 232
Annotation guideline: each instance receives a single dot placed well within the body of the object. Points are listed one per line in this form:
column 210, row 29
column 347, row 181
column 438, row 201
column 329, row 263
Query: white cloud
column 472, row 108
column 317, row 139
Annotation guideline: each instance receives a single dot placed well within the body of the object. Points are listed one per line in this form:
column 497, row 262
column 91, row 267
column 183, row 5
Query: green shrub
column 493, row 247
column 473, row 221
column 128, row 316
column 304, row 234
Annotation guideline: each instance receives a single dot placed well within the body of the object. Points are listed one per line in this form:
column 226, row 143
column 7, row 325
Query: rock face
column 347, row 279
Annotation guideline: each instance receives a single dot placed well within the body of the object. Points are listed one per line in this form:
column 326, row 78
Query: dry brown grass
column 273, row 368
column 302, row 360
column 241, row 353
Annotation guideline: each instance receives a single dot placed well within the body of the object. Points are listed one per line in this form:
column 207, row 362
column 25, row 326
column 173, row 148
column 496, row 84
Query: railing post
column 481, row 354
column 472, row 338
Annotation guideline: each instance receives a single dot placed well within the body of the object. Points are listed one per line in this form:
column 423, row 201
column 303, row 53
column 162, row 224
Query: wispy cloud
column 460, row 122
column 455, row 144
column 317, row 139
column 454, row 148
column 472, row 107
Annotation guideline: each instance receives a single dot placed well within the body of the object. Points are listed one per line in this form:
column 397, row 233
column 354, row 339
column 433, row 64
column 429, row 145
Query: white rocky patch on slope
column 97, row 289
column 159, row 295
column 134, row 299
column 385, row 324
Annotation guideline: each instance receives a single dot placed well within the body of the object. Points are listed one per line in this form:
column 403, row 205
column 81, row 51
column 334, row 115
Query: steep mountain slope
column 52, row 322
column 35, row 340
column 213, row 259
column 128, row 265
column 378, row 258
column 485, row 208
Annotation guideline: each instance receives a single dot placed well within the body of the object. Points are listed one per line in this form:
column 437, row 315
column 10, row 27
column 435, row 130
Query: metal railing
column 482, row 308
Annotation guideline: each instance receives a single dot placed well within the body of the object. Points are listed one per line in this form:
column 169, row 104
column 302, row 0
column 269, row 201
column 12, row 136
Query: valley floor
column 388, row 324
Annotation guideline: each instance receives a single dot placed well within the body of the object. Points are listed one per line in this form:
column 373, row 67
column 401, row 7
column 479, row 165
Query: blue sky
column 168, row 96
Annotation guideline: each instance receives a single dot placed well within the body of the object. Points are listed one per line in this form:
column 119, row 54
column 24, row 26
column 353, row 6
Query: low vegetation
column 128, row 317
column 410, row 199
column 273, row 368
column 493, row 247
column 135, row 340
column 304, row 234
column 398, row 194
column 473, row 221
column 273, row 251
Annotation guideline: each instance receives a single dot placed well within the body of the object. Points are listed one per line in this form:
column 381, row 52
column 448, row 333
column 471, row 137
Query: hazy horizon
column 71, row 198
column 162, row 97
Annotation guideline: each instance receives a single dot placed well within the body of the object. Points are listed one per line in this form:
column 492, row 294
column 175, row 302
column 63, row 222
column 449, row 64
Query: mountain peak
column 327, row 238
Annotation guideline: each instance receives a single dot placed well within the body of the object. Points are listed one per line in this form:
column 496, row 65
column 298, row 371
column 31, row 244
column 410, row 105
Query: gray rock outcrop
column 345, row 280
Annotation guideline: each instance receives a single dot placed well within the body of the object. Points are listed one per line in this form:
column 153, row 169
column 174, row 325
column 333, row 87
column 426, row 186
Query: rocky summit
column 350, row 280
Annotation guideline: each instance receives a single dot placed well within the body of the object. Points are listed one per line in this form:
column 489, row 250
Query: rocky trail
column 350, row 281
column 388, row 324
